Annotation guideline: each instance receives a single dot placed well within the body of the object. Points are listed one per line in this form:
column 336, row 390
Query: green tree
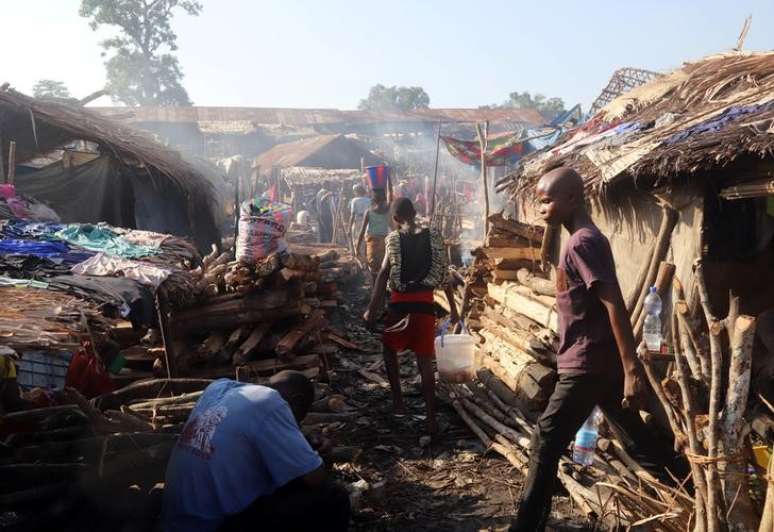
column 49, row 88
column 142, row 68
column 381, row 98
column 550, row 108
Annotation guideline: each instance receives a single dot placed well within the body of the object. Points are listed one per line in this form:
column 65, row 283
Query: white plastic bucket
column 454, row 355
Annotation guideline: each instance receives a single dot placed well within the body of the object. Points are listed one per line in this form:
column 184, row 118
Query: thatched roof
column 39, row 126
column 692, row 122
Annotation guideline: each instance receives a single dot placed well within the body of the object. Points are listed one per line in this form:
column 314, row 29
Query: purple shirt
column 586, row 341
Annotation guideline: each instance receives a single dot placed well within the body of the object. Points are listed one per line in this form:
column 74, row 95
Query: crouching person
column 242, row 463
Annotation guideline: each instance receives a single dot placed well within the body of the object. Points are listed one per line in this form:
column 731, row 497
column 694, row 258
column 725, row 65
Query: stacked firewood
column 247, row 313
column 510, row 308
column 704, row 398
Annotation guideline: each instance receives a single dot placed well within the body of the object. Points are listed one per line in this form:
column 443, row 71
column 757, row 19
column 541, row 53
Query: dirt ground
column 452, row 484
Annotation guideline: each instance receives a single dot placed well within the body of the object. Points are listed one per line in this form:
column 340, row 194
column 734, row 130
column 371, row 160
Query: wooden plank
column 511, row 253
column 533, row 233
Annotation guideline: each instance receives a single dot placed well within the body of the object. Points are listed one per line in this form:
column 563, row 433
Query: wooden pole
column 716, row 511
column 435, row 172
column 11, row 162
column 741, row 512
column 483, row 142
column 2, row 163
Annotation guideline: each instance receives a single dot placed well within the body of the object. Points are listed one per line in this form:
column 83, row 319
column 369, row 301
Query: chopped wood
column 242, row 354
column 535, row 309
column 533, row 233
column 537, row 284
column 511, row 253
column 291, row 340
column 343, row 342
column 300, row 275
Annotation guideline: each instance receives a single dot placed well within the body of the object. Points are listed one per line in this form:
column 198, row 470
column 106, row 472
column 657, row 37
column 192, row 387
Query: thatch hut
column 697, row 140
column 133, row 182
column 679, row 175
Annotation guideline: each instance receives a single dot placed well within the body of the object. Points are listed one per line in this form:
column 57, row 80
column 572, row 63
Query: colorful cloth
column 378, row 176
column 101, row 238
column 719, row 122
column 501, row 150
column 413, row 331
column 57, row 252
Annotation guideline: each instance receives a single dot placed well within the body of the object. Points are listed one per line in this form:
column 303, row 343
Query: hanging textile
column 502, row 149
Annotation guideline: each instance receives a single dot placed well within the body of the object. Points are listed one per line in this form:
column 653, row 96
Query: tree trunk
column 741, row 513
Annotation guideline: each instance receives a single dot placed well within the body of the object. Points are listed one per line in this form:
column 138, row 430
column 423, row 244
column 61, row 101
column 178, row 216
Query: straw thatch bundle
column 701, row 117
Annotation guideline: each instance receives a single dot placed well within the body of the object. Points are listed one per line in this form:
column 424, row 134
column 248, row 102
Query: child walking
column 414, row 265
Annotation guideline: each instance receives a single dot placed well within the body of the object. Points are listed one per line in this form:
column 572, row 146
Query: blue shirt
column 240, row 442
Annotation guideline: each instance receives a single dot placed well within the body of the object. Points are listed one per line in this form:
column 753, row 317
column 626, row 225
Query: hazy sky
column 327, row 53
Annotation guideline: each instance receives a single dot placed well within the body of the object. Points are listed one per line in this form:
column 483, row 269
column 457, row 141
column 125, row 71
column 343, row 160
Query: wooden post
column 11, row 162
column 483, row 142
column 162, row 312
column 435, row 172
column 2, row 162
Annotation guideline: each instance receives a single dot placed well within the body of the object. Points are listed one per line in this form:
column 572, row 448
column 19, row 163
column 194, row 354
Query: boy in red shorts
column 414, row 265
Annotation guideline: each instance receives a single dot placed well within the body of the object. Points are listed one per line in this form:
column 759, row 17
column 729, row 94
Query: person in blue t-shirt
column 242, row 463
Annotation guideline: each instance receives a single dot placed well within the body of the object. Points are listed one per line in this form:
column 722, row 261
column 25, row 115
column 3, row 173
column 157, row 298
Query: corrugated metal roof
column 306, row 117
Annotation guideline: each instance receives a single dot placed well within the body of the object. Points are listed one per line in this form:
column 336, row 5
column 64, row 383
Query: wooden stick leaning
column 716, row 511
column 688, row 413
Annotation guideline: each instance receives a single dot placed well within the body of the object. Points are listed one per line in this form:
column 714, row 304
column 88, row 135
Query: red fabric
column 423, row 296
column 88, row 375
column 419, row 336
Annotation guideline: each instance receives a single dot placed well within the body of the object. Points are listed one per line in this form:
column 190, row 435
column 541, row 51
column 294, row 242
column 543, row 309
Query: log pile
column 703, row 386
column 510, row 308
column 251, row 314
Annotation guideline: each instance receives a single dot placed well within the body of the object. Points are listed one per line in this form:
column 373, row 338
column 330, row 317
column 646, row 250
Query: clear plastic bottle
column 586, row 439
column 651, row 329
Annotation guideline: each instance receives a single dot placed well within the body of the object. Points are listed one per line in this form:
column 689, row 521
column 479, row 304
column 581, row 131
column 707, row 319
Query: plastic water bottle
column 586, row 439
column 651, row 330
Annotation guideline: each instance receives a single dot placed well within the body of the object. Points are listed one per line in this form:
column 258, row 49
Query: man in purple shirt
column 597, row 358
